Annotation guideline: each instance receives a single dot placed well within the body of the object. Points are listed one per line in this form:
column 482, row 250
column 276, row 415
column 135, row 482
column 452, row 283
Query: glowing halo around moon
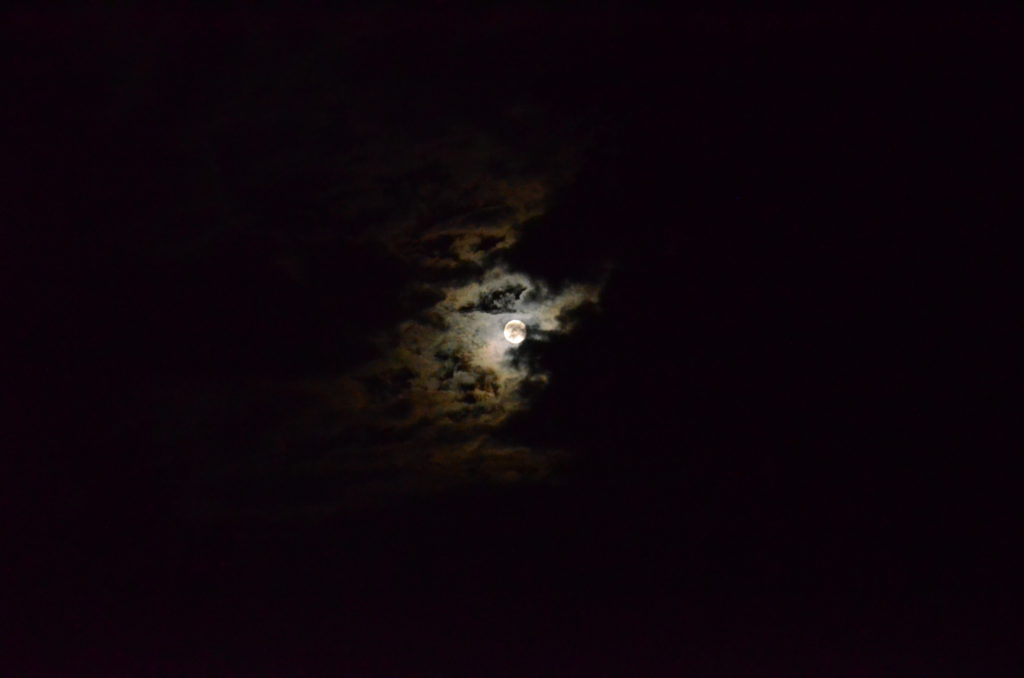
column 515, row 331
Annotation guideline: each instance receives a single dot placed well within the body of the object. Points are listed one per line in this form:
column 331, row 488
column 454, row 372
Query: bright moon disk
column 515, row 331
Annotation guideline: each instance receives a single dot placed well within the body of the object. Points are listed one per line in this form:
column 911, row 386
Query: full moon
column 515, row 331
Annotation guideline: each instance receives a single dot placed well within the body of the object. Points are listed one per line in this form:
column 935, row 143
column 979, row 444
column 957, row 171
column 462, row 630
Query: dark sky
column 265, row 423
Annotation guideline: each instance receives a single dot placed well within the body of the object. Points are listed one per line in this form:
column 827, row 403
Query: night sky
column 264, row 420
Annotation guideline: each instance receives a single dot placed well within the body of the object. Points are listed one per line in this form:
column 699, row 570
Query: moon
column 515, row 331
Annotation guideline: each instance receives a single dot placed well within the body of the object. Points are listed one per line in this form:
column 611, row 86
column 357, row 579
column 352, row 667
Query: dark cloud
column 501, row 300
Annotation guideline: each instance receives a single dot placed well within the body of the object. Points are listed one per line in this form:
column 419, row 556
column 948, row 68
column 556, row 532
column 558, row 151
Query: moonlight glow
column 515, row 331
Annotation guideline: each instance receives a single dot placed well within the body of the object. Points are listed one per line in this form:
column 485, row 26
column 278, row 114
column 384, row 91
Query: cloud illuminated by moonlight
column 464, row 372
column 454, row 379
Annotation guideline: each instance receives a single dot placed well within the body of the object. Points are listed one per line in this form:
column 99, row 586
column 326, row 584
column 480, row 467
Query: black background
column 787, row 420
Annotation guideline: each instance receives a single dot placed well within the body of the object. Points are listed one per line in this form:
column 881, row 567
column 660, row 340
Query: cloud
column 447, row 380
column 462, row 372
column 455, row 198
